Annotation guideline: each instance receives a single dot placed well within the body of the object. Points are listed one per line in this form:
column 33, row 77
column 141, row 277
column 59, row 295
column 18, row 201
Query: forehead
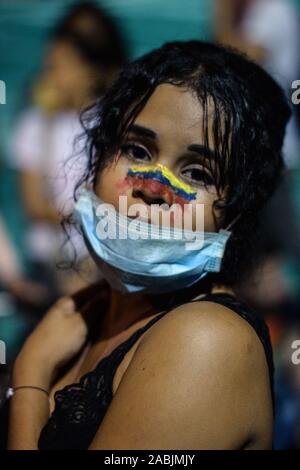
column 173, row 112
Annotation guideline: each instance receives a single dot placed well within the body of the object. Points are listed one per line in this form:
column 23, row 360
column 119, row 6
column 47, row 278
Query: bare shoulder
column 220, row 358
column 209, row 328
column 197, row 380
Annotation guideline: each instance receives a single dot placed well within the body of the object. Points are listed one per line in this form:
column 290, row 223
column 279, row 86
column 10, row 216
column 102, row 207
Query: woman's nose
column 153, row 194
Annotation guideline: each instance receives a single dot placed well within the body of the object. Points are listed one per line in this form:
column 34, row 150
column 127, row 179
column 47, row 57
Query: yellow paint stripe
column 175, row 182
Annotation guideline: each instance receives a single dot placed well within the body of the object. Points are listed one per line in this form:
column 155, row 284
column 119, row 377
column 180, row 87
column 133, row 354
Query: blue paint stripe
column 162, row 179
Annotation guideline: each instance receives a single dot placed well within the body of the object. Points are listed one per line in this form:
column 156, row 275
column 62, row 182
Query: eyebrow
column 205, row 152
column 142, row 131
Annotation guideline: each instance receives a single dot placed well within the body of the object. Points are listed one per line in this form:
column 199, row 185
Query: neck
column 125, row 309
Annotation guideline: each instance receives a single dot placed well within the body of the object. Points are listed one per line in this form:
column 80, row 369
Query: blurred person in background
column 84, row 57
column 269, row 32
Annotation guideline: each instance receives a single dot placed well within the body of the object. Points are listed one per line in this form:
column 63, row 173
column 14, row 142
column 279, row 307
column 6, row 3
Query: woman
column 84, row 56
column 161, row 355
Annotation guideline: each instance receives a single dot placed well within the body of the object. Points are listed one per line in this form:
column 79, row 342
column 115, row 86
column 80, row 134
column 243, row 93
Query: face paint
column 161, row 181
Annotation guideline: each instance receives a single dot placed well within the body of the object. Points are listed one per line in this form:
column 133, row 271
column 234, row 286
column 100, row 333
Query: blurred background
column 56, row 57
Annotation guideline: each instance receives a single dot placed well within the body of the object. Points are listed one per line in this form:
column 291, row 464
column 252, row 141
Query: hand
column 58, row 337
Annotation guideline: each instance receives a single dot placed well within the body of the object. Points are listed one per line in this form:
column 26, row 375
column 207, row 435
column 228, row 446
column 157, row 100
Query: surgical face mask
column 136, row 256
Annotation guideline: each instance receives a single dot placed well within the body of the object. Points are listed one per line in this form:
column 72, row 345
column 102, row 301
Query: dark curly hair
column 250, row 113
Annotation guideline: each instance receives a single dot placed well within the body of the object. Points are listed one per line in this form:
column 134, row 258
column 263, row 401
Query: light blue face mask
column 138, row 263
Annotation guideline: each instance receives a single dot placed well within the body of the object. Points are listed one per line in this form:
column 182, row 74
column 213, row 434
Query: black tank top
column 80, row 407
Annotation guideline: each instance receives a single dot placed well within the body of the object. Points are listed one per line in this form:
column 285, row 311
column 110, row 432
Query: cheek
column 207, row 211
column 195, row 217
column 111, row 183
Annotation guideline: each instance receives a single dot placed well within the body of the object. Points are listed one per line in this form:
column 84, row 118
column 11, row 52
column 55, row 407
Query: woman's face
column 66, row 79
column 168, row 131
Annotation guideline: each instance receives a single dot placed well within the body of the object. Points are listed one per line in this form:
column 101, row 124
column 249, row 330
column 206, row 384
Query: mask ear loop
column 227, row 229
column 85, row 187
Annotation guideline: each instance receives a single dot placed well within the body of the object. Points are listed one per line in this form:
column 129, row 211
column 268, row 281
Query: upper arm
column 192, row 384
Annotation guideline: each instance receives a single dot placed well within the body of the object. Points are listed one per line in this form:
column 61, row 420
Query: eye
column 197, row 175
column 135, row 152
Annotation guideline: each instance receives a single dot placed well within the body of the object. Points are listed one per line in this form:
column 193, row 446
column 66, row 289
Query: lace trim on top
column 86, row 402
